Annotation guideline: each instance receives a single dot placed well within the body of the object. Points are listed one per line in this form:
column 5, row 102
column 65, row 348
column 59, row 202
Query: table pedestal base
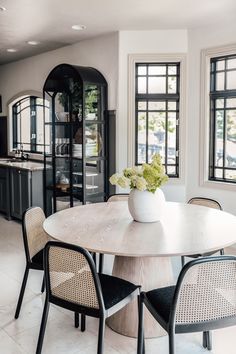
column 151, row 273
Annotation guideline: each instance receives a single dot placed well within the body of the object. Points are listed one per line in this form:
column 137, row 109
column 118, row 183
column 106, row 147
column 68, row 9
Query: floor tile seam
column 18, row 345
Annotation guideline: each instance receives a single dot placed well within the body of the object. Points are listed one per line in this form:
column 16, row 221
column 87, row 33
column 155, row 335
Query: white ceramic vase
column 145, row 206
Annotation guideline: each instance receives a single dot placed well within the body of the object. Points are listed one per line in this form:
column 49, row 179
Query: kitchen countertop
column 23, row 165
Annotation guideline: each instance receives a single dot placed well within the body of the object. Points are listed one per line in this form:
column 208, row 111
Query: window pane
column 171, row 170
column 172, row 70
column 231, row 80
column 230, row 174
column 157, row 106
column 220, row 65
column 219, row 138
column 156, row 85
column 141, row 137
column 231, row 63
column 171, row 106
column 25, row 137
column 172, row 84
column 220, row 103
column 231, row 103
column 142, row 105
column 156, row 134
column 142, row 70
column 157, row 70
column 230, row 145
column 39, row 128
column 142, row 85
column 218, row 173
column 220, row 81
column 171, row 133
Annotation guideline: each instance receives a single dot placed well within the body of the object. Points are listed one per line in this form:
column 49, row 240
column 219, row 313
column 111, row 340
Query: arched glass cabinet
column 76, row 160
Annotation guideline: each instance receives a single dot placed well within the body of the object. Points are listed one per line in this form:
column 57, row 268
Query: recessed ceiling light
column 78, row 27
column 11, row 50
column 2, row 8
column 33, row 42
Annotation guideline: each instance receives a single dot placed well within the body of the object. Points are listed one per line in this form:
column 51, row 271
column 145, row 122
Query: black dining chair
column 72, row 282
column 210, row 203
column 34, row 239
column 202, row 300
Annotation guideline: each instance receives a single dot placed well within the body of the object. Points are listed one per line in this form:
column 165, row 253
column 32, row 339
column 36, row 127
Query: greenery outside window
column 222, row 157
column 28, row 124
column 157, row 98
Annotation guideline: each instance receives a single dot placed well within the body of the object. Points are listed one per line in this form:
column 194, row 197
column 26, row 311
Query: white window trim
column 206, row 55
column 155, row 58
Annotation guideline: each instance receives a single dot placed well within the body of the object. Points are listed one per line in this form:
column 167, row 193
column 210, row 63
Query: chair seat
column 115, row 289
column 38, row 259
column 161, row 299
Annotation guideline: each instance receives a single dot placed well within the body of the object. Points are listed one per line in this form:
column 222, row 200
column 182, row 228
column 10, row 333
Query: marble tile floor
column 20, row 336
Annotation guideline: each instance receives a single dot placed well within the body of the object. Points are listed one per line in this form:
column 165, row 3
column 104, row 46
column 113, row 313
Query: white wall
column 200, row 39
column 130, row 42
column 31, row 73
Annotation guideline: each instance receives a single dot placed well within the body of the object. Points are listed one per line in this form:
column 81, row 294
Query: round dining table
column 142, row 251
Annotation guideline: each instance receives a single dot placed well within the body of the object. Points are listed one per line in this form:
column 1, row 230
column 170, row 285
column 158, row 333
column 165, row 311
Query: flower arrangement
column 146, row 177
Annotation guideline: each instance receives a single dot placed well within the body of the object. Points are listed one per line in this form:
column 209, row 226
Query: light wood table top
column 108, row 228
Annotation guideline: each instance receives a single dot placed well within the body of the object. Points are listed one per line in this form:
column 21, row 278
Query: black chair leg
column 182, row 261
column 171, row 342
column 209, row 340
column 101, row 263
column 22, row 291
column 83, row 322
column 101, row 335
column 42, row 327
column 76, row 320
column 204, row 339
column 140, row 349
column 43, row 285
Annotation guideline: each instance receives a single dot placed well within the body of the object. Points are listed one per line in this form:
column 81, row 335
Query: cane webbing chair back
column 70, row 277
column 207, row 292
column 36, row 237
column 118, row 198
column 210, row 203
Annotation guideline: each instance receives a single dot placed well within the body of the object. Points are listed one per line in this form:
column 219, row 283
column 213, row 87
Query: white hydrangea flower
column 123, row 182
column 141, row 183
column 114, row 179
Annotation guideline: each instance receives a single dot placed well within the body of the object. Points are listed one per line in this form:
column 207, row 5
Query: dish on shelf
column 63, row 186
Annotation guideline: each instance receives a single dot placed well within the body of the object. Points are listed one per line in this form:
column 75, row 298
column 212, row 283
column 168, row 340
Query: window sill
column 220, row 185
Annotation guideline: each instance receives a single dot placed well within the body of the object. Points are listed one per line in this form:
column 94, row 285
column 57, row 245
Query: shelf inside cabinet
column 58, row 123
column 88, row 186
column 88, row 174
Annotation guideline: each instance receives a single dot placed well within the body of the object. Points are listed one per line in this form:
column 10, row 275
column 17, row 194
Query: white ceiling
column 50, row 21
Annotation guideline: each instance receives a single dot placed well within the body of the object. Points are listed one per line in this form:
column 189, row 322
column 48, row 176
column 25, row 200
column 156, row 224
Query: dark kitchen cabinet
column 4, row 190
column 26, row 189
column 76, row 153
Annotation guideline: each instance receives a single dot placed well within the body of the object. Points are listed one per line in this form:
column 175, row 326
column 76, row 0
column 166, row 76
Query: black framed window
column 157, row 97
column 222, row 158
column 28, row 124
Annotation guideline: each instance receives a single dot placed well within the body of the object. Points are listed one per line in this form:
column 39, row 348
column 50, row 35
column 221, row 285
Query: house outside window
column 28, row 124
column 222, row 143
column 157, row 98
